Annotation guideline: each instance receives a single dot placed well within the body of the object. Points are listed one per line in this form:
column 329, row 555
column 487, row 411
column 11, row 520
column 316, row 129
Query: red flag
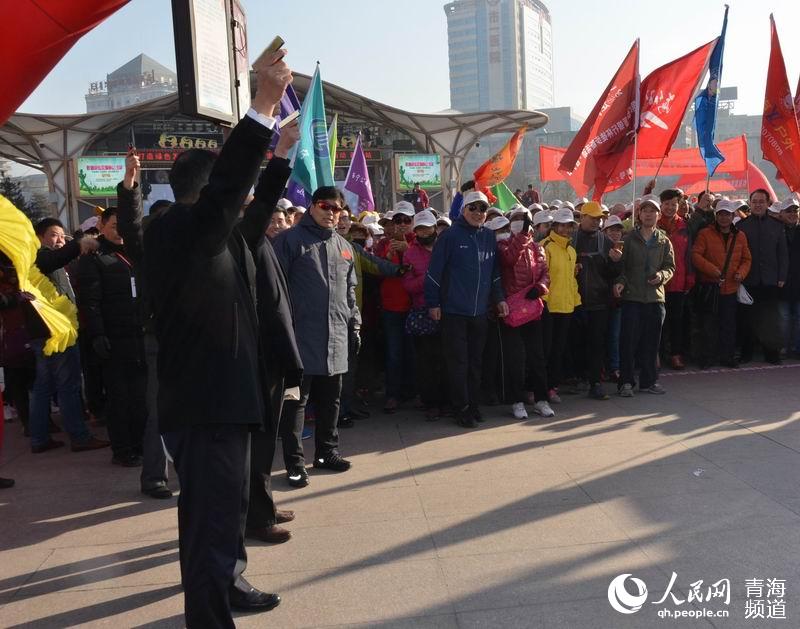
column 495, row 170
column 606, row 130
column 665, row 96
column 780, row 134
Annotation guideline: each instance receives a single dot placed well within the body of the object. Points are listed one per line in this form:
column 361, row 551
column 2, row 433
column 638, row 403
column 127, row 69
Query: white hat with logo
column 475, row 196
column 404, row 207
column 498, row 222
column 424, row 219
column 564, row 215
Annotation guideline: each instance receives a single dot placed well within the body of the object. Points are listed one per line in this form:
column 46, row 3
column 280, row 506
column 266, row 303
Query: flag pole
column 635, row 127
column 660, row 164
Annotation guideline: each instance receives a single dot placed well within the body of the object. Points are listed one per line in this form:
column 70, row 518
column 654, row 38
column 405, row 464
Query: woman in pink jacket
column 424, row 331
column 523, row 267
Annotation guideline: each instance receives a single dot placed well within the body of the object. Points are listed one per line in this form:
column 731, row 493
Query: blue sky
column 396, row 51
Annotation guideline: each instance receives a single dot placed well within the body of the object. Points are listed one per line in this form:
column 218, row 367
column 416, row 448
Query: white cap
column 725, row 205
column 424, row 219
column 518, row 210
column 444, row 219
column 564, row 215
column 567, row 204
column 369, row 219
column 474, row 196
column 375, row 229
column 738, row 204
column 535, row 207
column 299, row 209
column 556, row 203
column 89, row 223
column 542, row 216
column 581, row 201
column 284, row 204
column 652, row 200
column 775, row 208
column 604, row 207
column 517, row 207
column 387, row 216
column 611, row 221
column 498, row 222
column 788, row 202
column 736, row 219
column 403, row 207
column 494, row 210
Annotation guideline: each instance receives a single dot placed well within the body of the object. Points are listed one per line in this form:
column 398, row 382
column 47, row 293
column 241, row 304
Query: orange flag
column 495, row 170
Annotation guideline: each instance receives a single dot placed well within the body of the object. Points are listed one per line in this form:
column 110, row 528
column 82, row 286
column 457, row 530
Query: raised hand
column 290, row 134
column 132, row 168
column 272, row 77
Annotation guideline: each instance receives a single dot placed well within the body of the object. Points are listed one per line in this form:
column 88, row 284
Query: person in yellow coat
column 563, row 297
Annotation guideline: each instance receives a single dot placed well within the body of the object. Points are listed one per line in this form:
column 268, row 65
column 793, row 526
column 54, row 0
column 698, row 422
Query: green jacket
column 641, row 260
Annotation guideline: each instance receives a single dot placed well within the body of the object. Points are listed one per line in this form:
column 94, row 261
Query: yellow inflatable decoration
column 20, row 244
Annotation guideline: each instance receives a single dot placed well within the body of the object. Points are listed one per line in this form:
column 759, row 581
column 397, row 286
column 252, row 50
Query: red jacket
column 394, row 297
column 677, row 231
column 522, row 264
column 414, row 280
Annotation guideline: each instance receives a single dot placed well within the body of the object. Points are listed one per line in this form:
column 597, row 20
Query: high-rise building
column 501, row 55
column 139, row 80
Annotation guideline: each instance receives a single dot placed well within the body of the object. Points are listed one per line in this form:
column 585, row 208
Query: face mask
column 516, row 226
column 427, row 240
column 506, row 235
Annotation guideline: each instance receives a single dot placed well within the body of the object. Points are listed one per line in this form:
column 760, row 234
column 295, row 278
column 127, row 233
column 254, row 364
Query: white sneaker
column 543, row 408
column 519, row 411
column 626, row 391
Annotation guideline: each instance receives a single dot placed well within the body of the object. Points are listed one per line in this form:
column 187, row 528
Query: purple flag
column 357, row 180
column 289, row 104
column 296, row 194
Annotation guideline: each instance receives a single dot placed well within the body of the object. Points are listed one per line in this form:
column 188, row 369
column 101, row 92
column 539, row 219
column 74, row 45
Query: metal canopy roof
column 48, row 142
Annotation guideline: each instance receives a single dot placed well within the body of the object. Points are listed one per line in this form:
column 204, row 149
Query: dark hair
column 159, row 205
column 669, row 194
column 109, row 213
column 762, row 190
column 189, row 173
column 46, row 223
column 468, row 185
column 280, row 210
column 700, row 196
column 327, row 193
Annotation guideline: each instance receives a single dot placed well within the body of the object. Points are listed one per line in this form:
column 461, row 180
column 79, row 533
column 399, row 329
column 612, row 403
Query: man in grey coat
column 320, row 267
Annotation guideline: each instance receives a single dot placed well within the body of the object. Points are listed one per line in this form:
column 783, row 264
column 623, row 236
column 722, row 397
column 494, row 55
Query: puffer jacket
column 677, row 231
column 767, row 241
column 414, row 280
column 522, row 264
column 642, row 259
column 709, row 253
column 564, row 296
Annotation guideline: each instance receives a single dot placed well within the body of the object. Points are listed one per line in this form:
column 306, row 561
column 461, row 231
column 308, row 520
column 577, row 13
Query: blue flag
column 289, row 104
column 311, row 166
column 705, row 106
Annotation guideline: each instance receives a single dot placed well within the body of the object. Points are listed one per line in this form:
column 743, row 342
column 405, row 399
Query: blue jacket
column 464, row 276
column 456, row 206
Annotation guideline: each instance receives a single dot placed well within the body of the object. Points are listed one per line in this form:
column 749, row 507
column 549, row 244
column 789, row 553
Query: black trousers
column 430, row 370
column 556, row 335
column 524, row 363
column 262, row 451
column 126, row 385
column 675, row 334
column 154, row 460
column 761, row 322
column 213, row 463
column 588, row 330
column 93, row 390
column 718, row 331
column 463, row 339
column 323, row 392
column 19, row 381
column 492, row 376
column 640, row 336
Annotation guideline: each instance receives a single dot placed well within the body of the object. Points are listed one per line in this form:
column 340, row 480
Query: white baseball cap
column 89, row 223
column 369, row 219
column 387, row 216
column 299, row 209
column 496, row 211
column 375, row 229
column 581, row 201
column 535, row 207
column 567, row 204
column 474, row 196
column 556, row 203
column 498, row 222
column 444, row 219
column 725, row 205
column 611, row 221
column 775, row 208
column 424, row 219
column 788, row 202
column 517, row 207
column 738, row 204
column 542, row 216
column 403, row 207
column 652, row 200
column 284, row 204
column 564, row 215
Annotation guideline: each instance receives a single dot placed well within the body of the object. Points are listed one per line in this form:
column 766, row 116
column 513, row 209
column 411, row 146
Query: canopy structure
column 50, row 143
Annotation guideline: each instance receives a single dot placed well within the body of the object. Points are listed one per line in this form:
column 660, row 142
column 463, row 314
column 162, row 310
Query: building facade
column 501, row 55
column 139, row 80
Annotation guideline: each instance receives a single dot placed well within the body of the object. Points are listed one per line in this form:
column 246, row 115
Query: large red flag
column 780, row 133
column 607, row 130
column 495, row 170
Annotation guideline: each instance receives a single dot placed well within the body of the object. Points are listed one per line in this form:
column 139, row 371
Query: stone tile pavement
column 515, row 524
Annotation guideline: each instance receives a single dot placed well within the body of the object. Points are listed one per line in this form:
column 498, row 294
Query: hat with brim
column 564, row 216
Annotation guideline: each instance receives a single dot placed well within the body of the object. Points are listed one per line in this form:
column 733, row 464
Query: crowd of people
column 227, row 321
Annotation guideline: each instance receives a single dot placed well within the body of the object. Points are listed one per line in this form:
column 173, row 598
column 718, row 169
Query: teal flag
column 311, row 166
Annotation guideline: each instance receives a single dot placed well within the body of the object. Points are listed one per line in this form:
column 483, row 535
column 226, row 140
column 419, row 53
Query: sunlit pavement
column 514, row 524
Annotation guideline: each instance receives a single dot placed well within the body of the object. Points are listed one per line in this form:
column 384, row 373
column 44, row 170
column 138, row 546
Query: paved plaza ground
column 515, row 524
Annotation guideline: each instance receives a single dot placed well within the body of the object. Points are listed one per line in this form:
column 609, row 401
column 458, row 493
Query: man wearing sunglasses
column 463, row 280
column 320, row 267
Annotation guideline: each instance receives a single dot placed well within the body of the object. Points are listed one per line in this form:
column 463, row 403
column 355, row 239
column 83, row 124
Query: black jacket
column 201, row 282
column 51, row 262
column 598, row 271
column 767, row 242
column 109, row 301
column 791, row 291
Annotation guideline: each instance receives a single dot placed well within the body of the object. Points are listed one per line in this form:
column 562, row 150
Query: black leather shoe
column 6, row 483
column 51, row 444
column 127, row 460
column 297, row 476
column 282, row 516
column 465, row 419
column 162, row 492
column 345, row 421
column 270, row 534
column 253, row 600
column 331, row 461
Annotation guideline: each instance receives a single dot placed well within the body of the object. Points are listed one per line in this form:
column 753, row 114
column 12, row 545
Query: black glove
column 355, row 342
column 533, row 293
column 102, row 347
column 526, row 224
column 404, row 268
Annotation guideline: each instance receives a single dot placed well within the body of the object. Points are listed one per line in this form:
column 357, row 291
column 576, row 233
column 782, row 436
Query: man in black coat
column 201, row 278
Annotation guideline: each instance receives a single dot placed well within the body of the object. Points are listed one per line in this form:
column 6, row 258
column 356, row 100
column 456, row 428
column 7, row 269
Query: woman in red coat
column 523, row 268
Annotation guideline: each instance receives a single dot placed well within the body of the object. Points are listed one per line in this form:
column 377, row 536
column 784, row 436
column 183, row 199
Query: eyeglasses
column 329, row 207
column 478, row 208
column 402, row 220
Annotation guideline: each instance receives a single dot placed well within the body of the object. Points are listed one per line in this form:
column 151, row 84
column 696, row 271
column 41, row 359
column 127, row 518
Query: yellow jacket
column 563, row 297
